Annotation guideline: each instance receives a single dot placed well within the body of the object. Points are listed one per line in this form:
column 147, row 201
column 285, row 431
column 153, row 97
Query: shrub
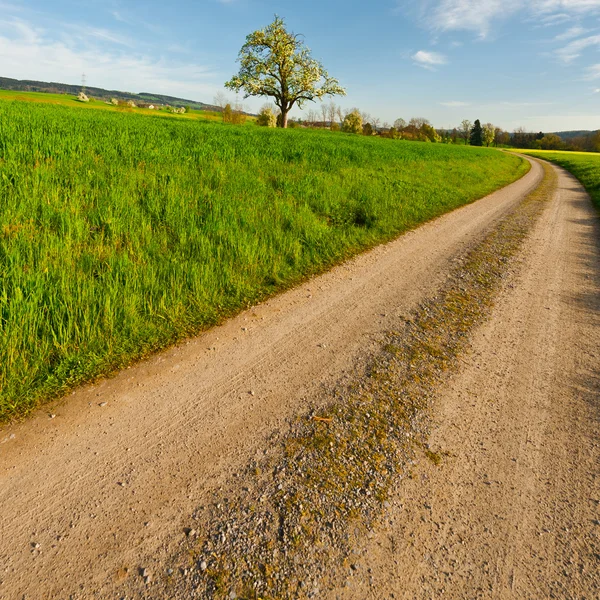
column 353, row 123
column 266, row 118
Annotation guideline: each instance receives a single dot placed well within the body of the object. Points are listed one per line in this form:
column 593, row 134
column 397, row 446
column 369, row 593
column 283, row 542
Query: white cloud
column 566, row 5
column 479, row 16
column 455, row 104
column 27, row 52
column 592, row 73
column 574, row 49
column 429, row 60
column 554, row 20
column 570, row 34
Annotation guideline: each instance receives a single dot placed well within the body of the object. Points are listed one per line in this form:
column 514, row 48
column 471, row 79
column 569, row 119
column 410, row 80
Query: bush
column 353, row 123
column 266, row 118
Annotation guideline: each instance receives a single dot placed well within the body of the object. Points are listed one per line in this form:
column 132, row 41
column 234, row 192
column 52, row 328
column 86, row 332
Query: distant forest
column 585, row 141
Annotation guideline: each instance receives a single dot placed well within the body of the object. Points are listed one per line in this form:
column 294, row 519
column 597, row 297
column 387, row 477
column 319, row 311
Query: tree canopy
column 353, row 122
column 489, row 134
column 276, row 63
column 477, row 134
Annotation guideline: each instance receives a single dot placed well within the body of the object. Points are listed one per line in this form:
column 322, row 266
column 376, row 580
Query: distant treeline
column 99, row 93
column 334, row 117
column 582, row 141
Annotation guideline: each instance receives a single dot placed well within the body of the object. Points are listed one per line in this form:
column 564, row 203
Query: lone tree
column 489, row 133
column 465, row 130
column 477, row 134
column 276, row 63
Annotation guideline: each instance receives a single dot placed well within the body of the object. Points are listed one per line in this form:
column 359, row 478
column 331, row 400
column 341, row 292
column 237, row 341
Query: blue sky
column 529, row 63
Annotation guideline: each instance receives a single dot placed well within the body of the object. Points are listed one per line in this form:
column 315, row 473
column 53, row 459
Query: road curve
column 513, row 511
column 111, row 478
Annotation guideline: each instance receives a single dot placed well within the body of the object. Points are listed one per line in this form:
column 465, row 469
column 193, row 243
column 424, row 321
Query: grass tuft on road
column 291, row 532
column 121, row 234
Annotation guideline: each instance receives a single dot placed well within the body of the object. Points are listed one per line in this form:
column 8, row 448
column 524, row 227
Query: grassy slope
column 584, row 165
column 120, row 234
column 72, row 102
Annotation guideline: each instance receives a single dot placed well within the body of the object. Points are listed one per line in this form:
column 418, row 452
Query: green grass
column 121, row 233
column 583, row 165
column 72, row 102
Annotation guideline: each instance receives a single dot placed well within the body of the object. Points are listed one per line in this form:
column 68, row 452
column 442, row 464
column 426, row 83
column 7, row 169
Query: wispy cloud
column 455, row 104
column 554, row 20
column 570, row 34
column 429, row 60
column 118, row 16
column 479, row 16
column 573, row 50
column 592, row 73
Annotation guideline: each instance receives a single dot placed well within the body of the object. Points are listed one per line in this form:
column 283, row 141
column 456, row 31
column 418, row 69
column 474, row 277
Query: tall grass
column 583, row 165
column 120, row 234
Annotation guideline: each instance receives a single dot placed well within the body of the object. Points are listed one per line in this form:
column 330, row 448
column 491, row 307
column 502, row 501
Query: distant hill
column 569, row 135
column 64, row 88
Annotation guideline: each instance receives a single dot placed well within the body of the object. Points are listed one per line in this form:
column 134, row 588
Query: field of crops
column 584, row 165
column 121, row 233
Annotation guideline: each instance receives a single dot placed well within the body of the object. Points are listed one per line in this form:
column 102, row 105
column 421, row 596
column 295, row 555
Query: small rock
column 103, row 404
column 190, row 532
column 203, row 565
column 232, row 595
column 169, row 571
column 52, row 416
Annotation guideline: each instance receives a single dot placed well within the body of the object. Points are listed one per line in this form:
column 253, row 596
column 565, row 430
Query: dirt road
column 112, row 478
column 514, row 509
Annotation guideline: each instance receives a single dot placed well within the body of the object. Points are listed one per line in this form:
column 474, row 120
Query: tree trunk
column 284, row 117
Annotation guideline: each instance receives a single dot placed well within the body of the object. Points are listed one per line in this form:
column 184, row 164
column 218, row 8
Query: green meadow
column 583, row 165
column 72, row 102
column 122, row 233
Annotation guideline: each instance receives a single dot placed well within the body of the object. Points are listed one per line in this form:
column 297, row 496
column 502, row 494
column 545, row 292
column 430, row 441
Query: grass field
column 122, row 233
column 584, row 165
column 72, row 102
